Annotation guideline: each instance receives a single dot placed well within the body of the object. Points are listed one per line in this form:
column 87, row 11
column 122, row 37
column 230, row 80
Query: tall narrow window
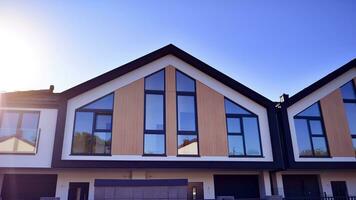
column 154, row 136
column 186, row 115
column 310, row 132
column 93, row 127
column 243, row 131
column 19, row 131
column 348, row 92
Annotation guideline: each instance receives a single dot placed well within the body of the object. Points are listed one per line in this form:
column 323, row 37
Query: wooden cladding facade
column 336, row 125
column 171, row 116
column 128, row 121
column 127, row 135
column 211, row 121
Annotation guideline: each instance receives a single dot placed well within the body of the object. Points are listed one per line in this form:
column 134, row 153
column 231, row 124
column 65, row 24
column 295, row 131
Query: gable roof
column 167, row 50
column 320, row 83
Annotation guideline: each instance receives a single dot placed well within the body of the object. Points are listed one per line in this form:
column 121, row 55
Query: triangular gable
column 167, row 50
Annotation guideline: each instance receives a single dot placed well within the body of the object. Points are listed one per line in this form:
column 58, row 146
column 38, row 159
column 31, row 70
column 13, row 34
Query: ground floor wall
column 67, row 176
column 324, row 179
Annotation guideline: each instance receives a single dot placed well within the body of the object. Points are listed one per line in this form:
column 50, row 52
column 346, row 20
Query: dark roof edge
column 320, row 83
column 167, row 50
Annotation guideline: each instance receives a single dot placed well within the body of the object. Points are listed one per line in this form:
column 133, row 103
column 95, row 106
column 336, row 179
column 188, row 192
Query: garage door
column 301, row 186
column 164, row 189
column 28, row 186
column 238, row 186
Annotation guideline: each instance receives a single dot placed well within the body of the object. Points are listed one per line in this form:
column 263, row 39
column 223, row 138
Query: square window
column 154, row 144
column 187, row 145
column 320, row 148
column 315, row 127
column 103, row 122
column 236, row 145
column 233, row 125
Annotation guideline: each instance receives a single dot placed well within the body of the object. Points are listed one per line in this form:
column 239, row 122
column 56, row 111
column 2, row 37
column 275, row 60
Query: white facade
column 43, row 157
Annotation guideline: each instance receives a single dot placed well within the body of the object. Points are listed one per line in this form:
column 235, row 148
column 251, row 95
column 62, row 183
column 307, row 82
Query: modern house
column 319, row 126
column 169, row 126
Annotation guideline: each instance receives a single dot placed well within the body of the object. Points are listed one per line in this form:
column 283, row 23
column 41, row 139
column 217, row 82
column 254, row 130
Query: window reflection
column 187, row 145
column 310, row 133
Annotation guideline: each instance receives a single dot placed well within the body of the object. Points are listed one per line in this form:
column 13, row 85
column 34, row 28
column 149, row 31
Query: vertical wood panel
column 336, row 125
column 211, row 122
column 171, row 122
column 127, row 138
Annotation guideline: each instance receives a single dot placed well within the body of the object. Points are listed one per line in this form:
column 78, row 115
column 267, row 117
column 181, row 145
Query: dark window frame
column 155, row 132
column 18, row 127
column 350, row 101
column 242, row 131
column 190, row 133
column 95, row 112
column 311, row 135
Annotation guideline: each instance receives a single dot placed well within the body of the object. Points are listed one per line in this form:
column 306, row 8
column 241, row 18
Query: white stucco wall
column 43, row 157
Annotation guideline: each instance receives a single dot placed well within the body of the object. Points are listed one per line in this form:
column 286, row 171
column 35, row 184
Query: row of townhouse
column 168, row 126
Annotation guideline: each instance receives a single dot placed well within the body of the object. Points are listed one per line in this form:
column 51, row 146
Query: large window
column 310, row 132
column 186, row 115
column 154, row 136
column 19, row 131
column 93, row 126
column 243, row 131
column 349, row 96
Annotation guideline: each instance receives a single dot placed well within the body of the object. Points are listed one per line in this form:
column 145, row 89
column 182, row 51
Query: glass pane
column 82, row 132
column 184, row 83
column 232, row 108
column 102, row 143
column 350, row 109
column 348, row 91
column 187, row 145
column 26, row 142
column 354, row 144
column 154, row 112
column 103, row 122
column 315, row 127
column 30, row 120
column 233, row 125
column 319, row 145
column 155, row 81
column 102, row 103
column 252, row 138
column 154, row 144
column 304, row 145
column 236, row 147
column 8, row 124
column 186, row 113
column 312, row 111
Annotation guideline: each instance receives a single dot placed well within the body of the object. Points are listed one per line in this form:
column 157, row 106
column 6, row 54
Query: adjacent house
column 169, row 126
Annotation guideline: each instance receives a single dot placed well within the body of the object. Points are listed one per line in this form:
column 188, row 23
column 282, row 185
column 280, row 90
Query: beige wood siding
column 211, row 121
column 171, row 117
column 127, row 138
column 336, row 125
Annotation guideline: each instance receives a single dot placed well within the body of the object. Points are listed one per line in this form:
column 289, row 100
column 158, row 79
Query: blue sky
column 271, row 47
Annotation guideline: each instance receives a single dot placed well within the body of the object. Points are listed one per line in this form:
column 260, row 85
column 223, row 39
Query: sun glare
column 20, row 57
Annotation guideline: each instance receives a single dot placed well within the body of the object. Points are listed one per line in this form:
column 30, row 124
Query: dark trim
column 157, row 132
column 167, row 50
column 140, row 182
column 242, row 133
column 290, row 162
column 311, row 135
column 191, row 133
column 320, row 83
column 95, row 112
column 57, row 161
